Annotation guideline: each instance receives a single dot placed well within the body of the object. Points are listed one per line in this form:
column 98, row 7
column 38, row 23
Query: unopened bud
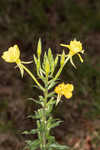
column 62, row 59
column 39, row 48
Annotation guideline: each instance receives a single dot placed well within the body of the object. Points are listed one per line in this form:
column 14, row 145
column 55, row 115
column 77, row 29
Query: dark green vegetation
column 55, row 21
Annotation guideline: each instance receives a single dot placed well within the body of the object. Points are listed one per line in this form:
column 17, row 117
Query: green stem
column 58, row 73
column 60, row 70
column 33, row 77
column 44, row 115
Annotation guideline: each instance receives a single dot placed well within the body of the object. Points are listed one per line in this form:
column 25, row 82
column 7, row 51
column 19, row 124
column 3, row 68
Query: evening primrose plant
column 46, row 71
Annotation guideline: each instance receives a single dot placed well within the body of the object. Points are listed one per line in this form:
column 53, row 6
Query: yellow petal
column 72, row 62
column 69, row 87
column 59, row 88
column 14, row 52
column 68, row 95
column 5, row 56
column 64, row 45
column 75, row 46
column 80, row 58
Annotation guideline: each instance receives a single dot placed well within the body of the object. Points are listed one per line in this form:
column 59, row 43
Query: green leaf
column 32, row 145
column 49, row 105
column 36, row 101
column 33, row 131
column 51, row 101
column 58, row 146
column 31, row 116
column 39, row 113
column 25, row 132
column 40, row 126
column 52, row 94
column 51, row 139
column 41, row 98
column 38, row 65
column 53, row 125
column 51, row 85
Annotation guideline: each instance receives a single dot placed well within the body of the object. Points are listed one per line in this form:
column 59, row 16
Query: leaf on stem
column 33, row 131
column 58, row 146
column 32, row 145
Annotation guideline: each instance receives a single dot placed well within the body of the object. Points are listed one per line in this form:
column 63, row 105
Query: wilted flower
column 75, row 47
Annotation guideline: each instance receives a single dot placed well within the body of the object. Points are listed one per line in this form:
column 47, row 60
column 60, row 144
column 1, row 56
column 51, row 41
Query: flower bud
column 39, row 48
column 47, row 67
column 62, row 59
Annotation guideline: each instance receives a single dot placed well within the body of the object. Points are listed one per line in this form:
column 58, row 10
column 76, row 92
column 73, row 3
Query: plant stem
column 58, row 73
column 33, row 77
column 60, row 70
column 44, row 116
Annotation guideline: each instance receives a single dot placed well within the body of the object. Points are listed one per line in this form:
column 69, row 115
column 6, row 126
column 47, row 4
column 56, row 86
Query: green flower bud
column 39, row 48
column 56, row 60
column 47, row 67
column 62, row 59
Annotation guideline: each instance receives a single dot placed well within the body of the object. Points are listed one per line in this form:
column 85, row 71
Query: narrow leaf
column 58, row 146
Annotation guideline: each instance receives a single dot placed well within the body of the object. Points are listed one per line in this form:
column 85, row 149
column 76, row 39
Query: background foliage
column 23, row 22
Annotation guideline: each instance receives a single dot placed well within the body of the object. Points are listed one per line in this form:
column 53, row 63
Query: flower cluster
column 75, row 47
column 46, row 72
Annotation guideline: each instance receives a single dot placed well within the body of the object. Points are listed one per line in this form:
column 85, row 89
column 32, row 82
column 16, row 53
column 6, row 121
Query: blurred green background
column 22, row 22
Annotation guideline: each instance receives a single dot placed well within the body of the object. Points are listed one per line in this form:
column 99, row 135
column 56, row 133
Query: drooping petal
column 80, row 57
column 72, row 62
column 20, row 66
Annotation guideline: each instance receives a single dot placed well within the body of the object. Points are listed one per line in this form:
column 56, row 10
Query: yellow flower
column 68, row 90
column 64, row 89
column 59, row 89
column 75, row 47
column 12, row 55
